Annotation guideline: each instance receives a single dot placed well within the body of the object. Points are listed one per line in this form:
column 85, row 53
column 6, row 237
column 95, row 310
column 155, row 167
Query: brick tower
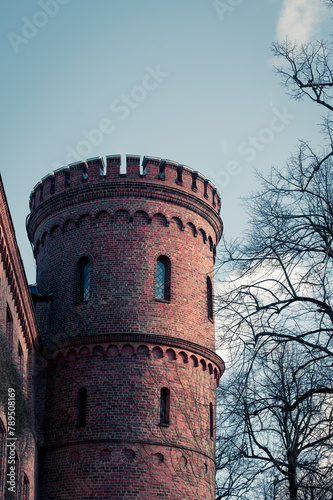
column 124, row 300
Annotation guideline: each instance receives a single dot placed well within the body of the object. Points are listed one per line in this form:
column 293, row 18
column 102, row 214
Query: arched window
column 165, row 406
column 211, row 421
column 84, row 269
column 163, row 275
column 209, row 298
column 81, row 407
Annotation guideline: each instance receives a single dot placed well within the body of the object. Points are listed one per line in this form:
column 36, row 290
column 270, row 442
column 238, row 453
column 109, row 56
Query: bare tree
column 266, row 449
column 312, row 490
column 306, row 70
column 280, row 276
column 279, row 287
column 277, row 301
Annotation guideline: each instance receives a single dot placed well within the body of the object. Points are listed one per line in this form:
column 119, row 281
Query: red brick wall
column 123, row 382
column 16, row 372
column 123, row 223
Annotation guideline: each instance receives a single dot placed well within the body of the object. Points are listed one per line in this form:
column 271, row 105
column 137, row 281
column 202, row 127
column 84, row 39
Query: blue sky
column 186, row 80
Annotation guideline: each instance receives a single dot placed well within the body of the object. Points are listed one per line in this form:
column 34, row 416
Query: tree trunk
column 292, row 475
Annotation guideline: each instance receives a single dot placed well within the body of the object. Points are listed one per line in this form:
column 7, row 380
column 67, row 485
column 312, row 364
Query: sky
column 186, row 80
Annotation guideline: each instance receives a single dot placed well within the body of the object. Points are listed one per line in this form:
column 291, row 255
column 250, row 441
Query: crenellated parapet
column 152, row 170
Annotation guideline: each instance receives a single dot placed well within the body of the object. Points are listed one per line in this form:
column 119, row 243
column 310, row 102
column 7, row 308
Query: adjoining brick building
column 127, row 371
column 19, row 340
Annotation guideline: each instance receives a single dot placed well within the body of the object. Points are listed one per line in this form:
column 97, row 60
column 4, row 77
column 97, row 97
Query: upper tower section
column 117, row 230
column 156, row 177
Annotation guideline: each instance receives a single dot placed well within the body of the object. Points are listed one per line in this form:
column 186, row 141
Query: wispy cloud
column 300, row 20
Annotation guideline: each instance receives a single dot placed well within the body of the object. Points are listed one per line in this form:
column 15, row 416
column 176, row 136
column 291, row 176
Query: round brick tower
column 125, row 307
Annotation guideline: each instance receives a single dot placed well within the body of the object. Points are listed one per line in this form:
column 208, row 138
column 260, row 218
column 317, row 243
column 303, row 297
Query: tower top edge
column 151, row 170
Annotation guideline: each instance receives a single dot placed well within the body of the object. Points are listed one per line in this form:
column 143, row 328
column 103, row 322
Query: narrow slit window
column 82, row 407
column 165, row 406
column 163, row 278
column 84, row 267
column 209, row 298
column 26, row 487
column 9, row 326
column 20, row 359
column 211, row 421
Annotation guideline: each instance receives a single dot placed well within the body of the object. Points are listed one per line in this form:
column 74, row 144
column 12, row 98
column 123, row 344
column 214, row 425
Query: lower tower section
column 130, row 417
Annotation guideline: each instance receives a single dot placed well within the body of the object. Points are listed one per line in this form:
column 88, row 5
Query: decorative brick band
column 133, row 341
column 10, row 275
column 105, row 441
column 127, row 190
column 62, row 226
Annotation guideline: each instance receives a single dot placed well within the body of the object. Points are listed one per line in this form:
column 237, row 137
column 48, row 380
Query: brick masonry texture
column 15, row 297
column 123, row 345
